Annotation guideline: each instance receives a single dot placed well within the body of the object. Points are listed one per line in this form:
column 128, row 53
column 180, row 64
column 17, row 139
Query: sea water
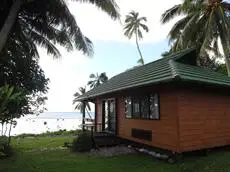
column 48, row 121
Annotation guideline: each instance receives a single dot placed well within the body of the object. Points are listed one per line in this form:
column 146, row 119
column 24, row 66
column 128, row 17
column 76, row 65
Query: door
column 109, row 111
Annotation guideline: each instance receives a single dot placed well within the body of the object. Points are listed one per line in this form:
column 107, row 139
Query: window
column 145, row 107
column 128, row 107
column 154, row 107
column 136, row 107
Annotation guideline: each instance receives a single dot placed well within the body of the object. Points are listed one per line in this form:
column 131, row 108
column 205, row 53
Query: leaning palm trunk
column 9, row 134
column 227, row 60
column 5, row 31
column 138, row 48
column 227, row 64
column 2, row 132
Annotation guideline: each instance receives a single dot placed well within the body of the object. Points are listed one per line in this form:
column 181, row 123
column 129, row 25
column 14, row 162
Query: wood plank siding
column 204, row 119
column 164, row 131
column 190, row 119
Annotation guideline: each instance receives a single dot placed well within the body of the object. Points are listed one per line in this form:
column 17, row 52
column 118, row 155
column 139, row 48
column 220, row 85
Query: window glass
column 106, row 114
column 136, row 108
column 128, row 107
column 145, row 107
column 154, row 106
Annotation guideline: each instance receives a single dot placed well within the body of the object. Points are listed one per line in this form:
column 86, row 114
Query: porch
column 103, row 128
column 101, row 138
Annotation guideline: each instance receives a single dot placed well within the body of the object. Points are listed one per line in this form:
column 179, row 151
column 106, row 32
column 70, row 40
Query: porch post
column 95, row 116
column 83, row 116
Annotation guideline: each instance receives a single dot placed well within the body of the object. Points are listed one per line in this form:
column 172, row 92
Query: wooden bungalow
column 170, row 103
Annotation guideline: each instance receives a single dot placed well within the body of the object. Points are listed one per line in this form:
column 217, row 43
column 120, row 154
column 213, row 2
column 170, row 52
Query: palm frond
column 44, row 42
column 92, row 76
column 171, row 13
column 144, row 27
column 177, row 28
column 129, row 31
column 208, row 34
column 108, row 6
column 139, row 33
column 140, row 61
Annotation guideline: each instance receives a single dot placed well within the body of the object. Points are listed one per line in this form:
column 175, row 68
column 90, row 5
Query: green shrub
column 3, row 141
column 5, row 149
column 82, row 143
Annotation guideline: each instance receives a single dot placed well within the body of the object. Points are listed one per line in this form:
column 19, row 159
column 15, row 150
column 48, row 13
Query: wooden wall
column 189, row 119
column 204, row 119
column 164, row 131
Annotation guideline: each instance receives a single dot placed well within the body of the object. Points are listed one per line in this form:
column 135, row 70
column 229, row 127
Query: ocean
column 48, row 121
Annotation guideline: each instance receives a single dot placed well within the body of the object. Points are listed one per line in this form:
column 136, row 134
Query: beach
column 48, row 121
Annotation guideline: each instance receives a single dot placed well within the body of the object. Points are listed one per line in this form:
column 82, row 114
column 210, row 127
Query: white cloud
column 72, row 71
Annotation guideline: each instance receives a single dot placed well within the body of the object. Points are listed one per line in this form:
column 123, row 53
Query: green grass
column 40, row 142
column 35, row 160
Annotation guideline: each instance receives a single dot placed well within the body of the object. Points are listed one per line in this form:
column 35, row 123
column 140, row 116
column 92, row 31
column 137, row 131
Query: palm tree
column 80, row 105
column 45, row 23
column 97, row 79
column 205, row 24
column 134, row 25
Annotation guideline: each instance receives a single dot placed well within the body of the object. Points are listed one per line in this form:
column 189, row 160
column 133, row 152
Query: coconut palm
column 45, row 23
column 80, row 105
column 134, row 26
column 204, row 23
column 97, row 79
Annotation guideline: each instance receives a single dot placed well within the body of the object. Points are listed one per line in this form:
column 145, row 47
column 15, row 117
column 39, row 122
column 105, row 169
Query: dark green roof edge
column 162, row 70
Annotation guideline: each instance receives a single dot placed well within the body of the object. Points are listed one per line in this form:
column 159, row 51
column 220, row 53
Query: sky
column 113, row 52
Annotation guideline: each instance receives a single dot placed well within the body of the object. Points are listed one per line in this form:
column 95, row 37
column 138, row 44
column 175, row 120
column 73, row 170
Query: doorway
column 109, row 115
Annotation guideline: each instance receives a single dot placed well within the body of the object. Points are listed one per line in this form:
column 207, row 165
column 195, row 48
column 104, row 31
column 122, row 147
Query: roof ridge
column 175, row 56
column 139, row 67
column 175, row 73
column 169, row 57
column 201, row 68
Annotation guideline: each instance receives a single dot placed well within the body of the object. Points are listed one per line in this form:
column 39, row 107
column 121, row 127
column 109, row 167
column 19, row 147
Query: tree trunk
column 9, row 137
column 5, row 30
column 225, row 47
column 138, row 48
column 2, row 129
column 83, row 116
column 227, row 61
column 6, row 130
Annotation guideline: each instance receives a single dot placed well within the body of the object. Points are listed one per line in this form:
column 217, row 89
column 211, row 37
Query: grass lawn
column 40, row 142
column 30, row 158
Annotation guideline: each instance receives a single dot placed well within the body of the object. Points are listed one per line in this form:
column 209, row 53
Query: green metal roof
column 177, row 66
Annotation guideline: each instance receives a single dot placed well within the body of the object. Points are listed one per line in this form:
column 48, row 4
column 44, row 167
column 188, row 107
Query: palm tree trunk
column 83, row 116
column 227, row 60
column 5, row 31
column 138, row 48
column 6, row 130
column 2, row 129
column 9, row 136
column 225, row 47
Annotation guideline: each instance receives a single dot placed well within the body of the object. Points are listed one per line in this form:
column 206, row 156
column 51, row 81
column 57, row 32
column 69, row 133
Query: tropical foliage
column 134, row 26
column 24, row 73
column 24, row 24
column 79, row 105
column 13, row 104
column 96, row 79
column 204, row 24
column 83, row 142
